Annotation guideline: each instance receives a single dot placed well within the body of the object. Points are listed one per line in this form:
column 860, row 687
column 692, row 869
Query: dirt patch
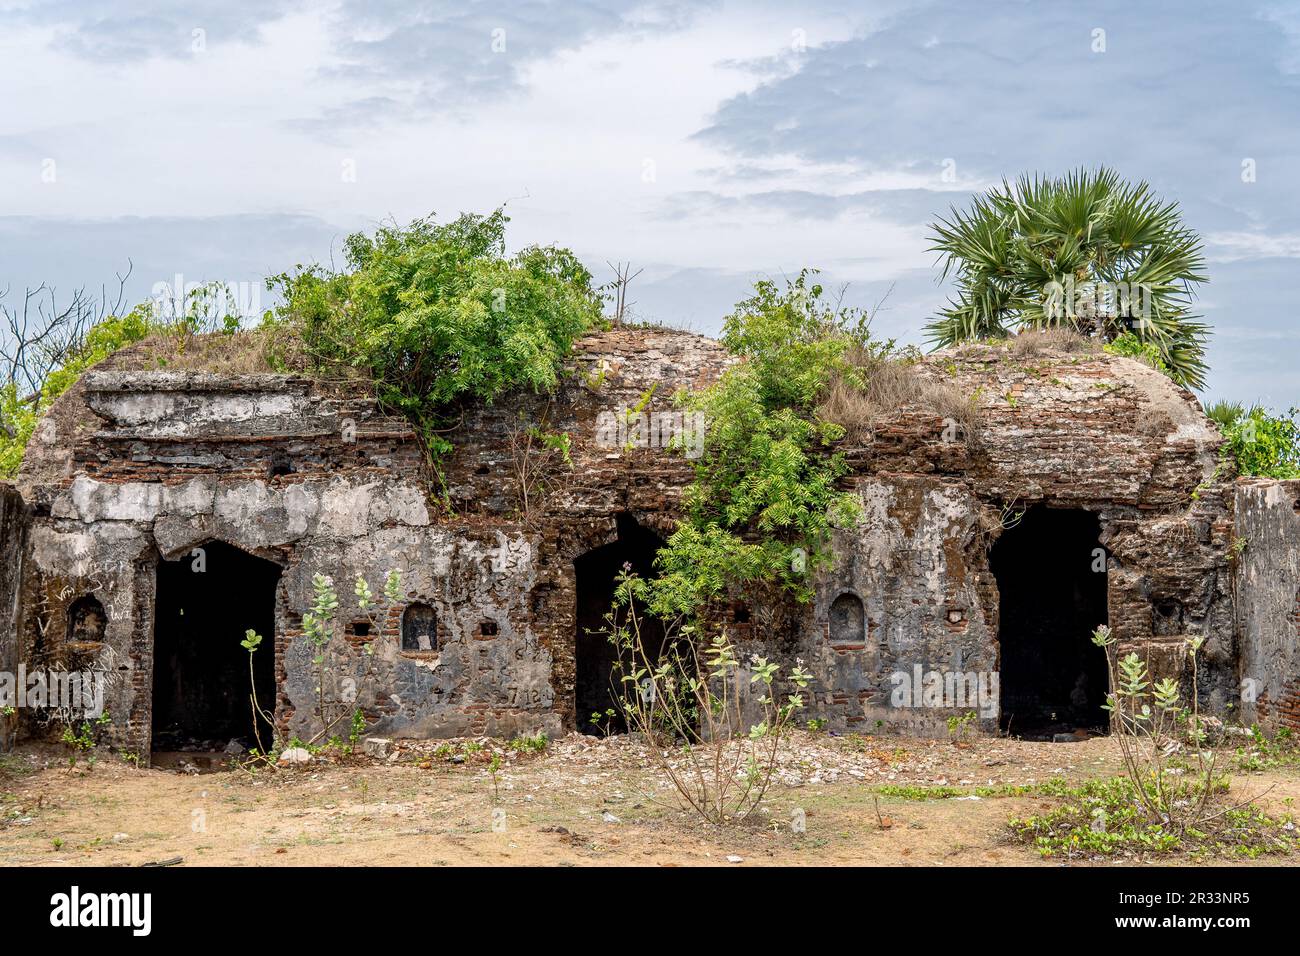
column 583, row 802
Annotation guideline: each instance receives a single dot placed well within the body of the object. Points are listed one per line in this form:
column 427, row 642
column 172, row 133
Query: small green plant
column 494, row 768
column 603, row 722
column 319, row 624
column 530, row 745
column 1145, row 714
column 816, row 724
column 251, row 642
column 1106, row 818
column 57, row 843
column 691, row 698
column 81, row 738
column 1170, row 797
column 8, row 728
column 959, row 725
column 358, row 728
column 943, row 792
column 1130, row 346
column 1263, row 752
column 595, row 381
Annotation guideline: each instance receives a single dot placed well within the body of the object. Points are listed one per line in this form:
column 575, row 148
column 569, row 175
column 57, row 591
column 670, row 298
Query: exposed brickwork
column 132, row 466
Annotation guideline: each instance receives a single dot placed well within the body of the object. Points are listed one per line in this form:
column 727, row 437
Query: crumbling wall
column 14, row 520
column 616, row 405
column 1267, row 548
column 918, row 566
column 130, row 468
column 1083, row 430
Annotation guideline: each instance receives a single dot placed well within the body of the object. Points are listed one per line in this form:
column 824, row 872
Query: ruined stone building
column 161, row 513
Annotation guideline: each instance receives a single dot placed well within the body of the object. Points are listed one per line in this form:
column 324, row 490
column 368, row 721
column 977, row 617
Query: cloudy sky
column 708, row 143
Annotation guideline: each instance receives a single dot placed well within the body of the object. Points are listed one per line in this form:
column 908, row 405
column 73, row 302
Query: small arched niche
column 86, row 621
column 848, row 620
column 419, row 629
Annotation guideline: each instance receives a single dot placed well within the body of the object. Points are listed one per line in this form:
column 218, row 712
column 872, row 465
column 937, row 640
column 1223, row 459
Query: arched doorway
column 205, row 600
column 596, row 574
column 1051, row 574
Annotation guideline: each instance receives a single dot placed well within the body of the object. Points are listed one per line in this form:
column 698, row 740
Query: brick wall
column 132, row 466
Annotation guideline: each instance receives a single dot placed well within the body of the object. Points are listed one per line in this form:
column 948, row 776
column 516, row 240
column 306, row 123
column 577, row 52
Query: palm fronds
column 1089, row 251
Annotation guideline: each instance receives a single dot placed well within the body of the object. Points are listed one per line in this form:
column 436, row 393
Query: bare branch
column 38, row 335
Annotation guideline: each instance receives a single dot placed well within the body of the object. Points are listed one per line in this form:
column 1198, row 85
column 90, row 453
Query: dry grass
column 894, row 385
column 242, row 353
column 1032, row 342
column 1029, row 344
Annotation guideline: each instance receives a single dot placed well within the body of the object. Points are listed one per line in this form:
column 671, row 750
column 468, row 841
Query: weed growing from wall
column 766, row 497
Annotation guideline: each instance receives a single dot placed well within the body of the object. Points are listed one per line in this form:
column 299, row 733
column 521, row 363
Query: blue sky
column 709, row 143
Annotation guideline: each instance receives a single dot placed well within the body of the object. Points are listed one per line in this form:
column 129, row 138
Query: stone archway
column 205, row 601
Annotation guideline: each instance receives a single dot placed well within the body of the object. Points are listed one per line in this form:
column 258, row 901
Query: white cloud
column 766, row 155
column 1234, row 246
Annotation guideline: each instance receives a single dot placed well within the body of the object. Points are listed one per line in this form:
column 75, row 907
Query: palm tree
column 1088, row 251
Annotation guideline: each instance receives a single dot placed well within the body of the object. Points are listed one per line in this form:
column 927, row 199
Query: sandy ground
column 584, row 802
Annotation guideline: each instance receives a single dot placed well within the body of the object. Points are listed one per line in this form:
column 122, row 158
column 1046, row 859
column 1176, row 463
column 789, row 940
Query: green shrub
column 1166, row 801
column 1130, row 346
column 437, row 314
column 1263, row 444
column 765, row 496
column 1106, row 818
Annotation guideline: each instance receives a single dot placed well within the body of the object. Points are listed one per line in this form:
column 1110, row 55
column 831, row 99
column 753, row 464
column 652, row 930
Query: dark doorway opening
column 597, row 574
column 1051, row 575
column 205, row 602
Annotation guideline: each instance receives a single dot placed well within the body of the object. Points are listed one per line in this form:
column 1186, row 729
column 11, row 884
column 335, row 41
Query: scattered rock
column 377, row 747
column 294, row 756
